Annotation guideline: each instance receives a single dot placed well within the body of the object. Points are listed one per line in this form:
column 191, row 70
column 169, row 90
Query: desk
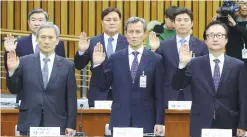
column 94, row 120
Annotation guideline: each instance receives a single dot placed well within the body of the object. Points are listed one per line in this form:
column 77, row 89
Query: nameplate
column 44, row 131
column 216, row 133
column 127, row 132
column 102, row 104
column 179, row 105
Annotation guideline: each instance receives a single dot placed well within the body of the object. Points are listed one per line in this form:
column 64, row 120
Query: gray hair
column 39, row 10
column 48, row 25
column 135, row 20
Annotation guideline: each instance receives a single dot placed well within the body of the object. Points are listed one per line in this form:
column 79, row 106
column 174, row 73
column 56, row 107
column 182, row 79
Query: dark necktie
column 216, row 75
column 134, row 66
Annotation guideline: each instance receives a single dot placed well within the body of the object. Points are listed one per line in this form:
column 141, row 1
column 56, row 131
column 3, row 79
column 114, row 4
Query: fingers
column 98, row 48
column 83, row 36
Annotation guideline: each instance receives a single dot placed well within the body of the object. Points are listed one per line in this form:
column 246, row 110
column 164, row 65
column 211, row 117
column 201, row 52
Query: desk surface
column 98, row 111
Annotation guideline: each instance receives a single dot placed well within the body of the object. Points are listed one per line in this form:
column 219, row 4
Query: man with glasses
column 168, row 49
column 29, row 44
column 218, row 84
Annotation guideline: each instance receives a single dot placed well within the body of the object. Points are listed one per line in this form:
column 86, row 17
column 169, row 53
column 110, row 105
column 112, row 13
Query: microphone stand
column 80, row 133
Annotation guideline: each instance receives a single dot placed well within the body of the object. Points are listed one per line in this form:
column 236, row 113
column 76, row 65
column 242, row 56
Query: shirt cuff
column 11, row 73
column 94, row 66
column 81, row 52
column 181, row 66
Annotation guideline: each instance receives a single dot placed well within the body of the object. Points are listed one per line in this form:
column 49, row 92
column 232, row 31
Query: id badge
column 244, row 53
column 143, row 81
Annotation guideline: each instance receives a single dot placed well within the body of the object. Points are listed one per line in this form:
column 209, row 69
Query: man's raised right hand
column 83, row 42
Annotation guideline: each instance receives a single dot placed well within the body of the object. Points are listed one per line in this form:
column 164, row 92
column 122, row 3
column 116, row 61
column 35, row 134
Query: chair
column 17, row 133
column 107, row 130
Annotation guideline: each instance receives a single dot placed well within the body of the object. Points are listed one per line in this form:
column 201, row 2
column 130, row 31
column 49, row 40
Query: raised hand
column 154, row 41
column 10, row 43
column 83, row 42
column 98, row 54
column 12, row 61
column 185, row 55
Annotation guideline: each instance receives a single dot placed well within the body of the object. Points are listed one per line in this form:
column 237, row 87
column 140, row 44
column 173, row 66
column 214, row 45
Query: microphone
column 80, row 133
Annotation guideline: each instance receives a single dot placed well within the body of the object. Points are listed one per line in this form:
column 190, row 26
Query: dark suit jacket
column 58, row 100
column 25, row 47
column 143, row 106
column 95, row 93
column 229, row 101
column 168, row 50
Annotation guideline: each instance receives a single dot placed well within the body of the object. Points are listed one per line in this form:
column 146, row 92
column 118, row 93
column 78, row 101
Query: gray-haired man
column 136, row 77
column 47, row 82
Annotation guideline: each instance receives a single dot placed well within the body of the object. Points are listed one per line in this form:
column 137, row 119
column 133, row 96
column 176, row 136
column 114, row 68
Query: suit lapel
column 125, row 63
column 225, row 71
column 29, row 45
column 192, row 43
column 205, row 66
column 55, row 69
column 121, row 43
column 143, row 63
column 174, row 51
column 37, row 67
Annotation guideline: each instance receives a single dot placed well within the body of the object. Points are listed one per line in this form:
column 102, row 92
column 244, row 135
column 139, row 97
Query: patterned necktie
column 109, row 47
column 182, row 41
column 37, row 48
column 216, row 75
column 134, row 66
column 45, row 71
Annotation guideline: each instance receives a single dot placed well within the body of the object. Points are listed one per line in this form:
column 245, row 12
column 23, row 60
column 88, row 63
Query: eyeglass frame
column 215, row 35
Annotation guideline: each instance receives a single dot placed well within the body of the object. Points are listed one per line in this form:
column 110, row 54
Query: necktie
column 180, row 96
column 134, row 66
column 109, row 47
column 45, row 71
column 182, row 41
column 216, row 75
column 37, row 48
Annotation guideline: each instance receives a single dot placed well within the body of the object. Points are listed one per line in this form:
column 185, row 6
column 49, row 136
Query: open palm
column 12, row 61
column 98, row 54
column 10, row 43
column 185, row 55
column 83, row 42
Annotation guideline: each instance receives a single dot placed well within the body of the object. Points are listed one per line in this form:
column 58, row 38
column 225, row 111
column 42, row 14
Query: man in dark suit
column 168, row 49
column 47, row 82
column 136, row 77
column 111, row 40
column 218, row 84
column 29, row 45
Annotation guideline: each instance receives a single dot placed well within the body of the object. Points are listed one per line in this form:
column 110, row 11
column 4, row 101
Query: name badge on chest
column 143, row 80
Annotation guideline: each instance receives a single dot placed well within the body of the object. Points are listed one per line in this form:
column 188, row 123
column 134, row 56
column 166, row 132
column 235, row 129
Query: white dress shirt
column 34, row 42
column 131, row 56
column 179, row 44
column 106, row 37
column 49, row 63
column 114, row 42
column 212, row 63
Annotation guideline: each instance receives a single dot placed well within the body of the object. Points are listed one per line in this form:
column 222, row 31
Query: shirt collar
column 187, row 38
column 51, row 57
column 221, row 57
column 140, row 50
column 115, row 37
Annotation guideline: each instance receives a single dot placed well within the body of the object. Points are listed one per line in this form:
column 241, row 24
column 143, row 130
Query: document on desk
column 99, row 104
column 216, row 133
column 44, row 131
column 179, row 105
column 127, row 132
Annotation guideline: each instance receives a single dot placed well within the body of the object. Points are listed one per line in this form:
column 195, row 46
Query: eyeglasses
column 219, row 36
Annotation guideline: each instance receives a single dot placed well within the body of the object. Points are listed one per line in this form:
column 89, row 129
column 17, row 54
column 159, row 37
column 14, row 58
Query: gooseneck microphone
column 80, row 133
